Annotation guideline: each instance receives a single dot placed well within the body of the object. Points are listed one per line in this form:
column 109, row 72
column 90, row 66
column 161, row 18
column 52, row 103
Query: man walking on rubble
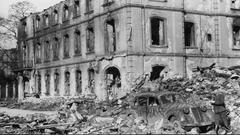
column 221, row 118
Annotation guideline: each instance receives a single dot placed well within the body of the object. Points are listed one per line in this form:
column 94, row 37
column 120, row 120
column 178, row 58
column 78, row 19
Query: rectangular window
column 66, row 46
column 91, row 81
column 47, row 84
column 38, row 58
column 79, row 81
column 107, row 3
column 157, row 31
column 47, row 51
column 76, row 8
column 235, row 4
column 89, row 6
column 189, row 34
column 77, row 42
column 55, row 15
column 90, row 40
column 37, row 22
column 236, row 36
column 56, row 83
column 67, row 83
column 65, row 13
column 56, row 49
column 110, row 36
column 46, row 20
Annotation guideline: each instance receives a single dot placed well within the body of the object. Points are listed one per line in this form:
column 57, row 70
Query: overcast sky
column 39, row 4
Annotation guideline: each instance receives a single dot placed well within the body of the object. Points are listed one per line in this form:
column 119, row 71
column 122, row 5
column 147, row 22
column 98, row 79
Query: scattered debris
column 83, row 115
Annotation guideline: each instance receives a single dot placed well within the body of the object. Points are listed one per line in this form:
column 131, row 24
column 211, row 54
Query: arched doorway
column 113, row 82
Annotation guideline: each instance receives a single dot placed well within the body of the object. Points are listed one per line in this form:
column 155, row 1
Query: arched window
column 113, row 77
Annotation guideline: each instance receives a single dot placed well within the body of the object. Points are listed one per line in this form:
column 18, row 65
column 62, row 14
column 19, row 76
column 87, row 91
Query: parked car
column 171, row 106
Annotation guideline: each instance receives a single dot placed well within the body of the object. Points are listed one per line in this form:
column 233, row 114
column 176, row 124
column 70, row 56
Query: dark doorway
column 155, row 74
column 113, row 77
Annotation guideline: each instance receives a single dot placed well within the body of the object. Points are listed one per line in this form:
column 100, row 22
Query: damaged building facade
column 100, row 47
column 8, row 81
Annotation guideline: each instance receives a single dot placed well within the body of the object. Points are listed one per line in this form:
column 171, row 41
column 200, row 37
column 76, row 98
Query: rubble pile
column 83, row 115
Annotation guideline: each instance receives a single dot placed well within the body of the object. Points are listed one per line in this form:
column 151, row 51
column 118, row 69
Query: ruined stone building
column 8, row 82
column 80, row 47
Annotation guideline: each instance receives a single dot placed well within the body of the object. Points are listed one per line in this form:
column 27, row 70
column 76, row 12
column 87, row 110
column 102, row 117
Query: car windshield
column 171, row 98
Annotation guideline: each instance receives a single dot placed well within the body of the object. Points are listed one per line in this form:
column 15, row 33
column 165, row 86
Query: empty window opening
column 56, row 83
column 113, row 77
column 189, row 34
column 55, row 48
column 66, row 45
column 3, row 91
column 209, row 37
column 91, row 81
column 89, row 5
column 10, row 90
column 38, row 52
column 90, row 40
column 24, row 24
column 236, row 36
column 47, row 84
column 37, row 22
column 76, row 8
column 65, row 13
column 79, row 81
column 67, row 83
column 55, row 16
column 46, row 19
column 110, row 36
column 77, row 42
column 157, row 31
column 39, row 84
column 47, row 50
column 155, row 74
column 153, row 101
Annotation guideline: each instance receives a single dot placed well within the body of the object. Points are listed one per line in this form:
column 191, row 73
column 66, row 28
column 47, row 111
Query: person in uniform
column 219, row 108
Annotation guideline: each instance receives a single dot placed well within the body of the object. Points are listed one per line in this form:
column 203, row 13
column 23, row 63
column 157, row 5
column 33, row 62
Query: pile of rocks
column 84, row 116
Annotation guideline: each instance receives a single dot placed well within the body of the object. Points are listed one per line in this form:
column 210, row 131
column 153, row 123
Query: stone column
column 20, row 88
column 14, row 90
column 6, row 91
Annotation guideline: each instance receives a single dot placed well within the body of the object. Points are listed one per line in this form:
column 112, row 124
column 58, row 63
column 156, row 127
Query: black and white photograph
column 120, row 67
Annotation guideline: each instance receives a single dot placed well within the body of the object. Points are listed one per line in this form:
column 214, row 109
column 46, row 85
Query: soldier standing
column 221, row 118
